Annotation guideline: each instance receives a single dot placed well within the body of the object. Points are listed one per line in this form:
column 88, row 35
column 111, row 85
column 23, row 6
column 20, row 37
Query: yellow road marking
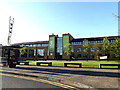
column 41, row 80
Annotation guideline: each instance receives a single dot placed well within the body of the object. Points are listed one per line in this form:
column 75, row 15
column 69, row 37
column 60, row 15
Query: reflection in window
column 59, row 46
column 92, row 50
column 40, row 52
column 77, row 43
column 79, row 56
column 99, row 42
column 91, row 42
column 91, row 56
column 98, row 48
column 99, row 54
column 32, row 53
column 84, row 49
column 25, row 54
column 84, row 55
column 78, row 49
column 112, row 41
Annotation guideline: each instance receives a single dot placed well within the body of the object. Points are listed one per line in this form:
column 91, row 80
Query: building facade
column 55, row 48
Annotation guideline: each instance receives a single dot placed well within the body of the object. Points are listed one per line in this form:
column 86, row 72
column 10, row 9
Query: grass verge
column 84, row 63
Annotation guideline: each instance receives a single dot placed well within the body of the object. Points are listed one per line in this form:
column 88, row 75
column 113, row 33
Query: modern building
column 56, row 46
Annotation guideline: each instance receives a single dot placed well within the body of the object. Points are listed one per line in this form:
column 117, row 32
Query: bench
column 25, row 63
column 80, row 64
column 49, row 63
column 100, row 65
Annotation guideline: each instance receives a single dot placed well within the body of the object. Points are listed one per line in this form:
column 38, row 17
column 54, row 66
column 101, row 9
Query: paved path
column 79, row 77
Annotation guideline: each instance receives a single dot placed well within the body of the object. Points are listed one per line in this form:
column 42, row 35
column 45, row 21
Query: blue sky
column 35, row 21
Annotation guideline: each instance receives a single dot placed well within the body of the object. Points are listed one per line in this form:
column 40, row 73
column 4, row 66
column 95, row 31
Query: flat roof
column 35, row 42
column 94, row 38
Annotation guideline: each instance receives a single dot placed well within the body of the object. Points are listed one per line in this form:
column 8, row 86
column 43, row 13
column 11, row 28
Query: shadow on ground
column 75, row 72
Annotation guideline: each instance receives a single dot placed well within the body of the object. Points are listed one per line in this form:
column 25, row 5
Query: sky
column 35, row 21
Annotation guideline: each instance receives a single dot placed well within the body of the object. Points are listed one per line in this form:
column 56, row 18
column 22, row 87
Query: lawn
column 90, row 63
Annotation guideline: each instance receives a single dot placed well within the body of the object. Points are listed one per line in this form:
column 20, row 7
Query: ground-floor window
column 100, row 54
column 99, row 48
column 91, row 56
column 79, row 56
column 84, row 55
column 78, row 49
column 40, row 52
column 25, row 54
column 32, row 53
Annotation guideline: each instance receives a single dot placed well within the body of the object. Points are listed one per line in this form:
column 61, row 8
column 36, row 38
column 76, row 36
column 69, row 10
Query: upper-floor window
column 27, row 45
column 84, row 49
column 40, row 52
column 99, row 42
column 99, row 48
column 92, row 49
column 76, row 43
column 30, row 45
column 44, row 45
column 112, row 41
column 39, row 45
column 91, row 42
column 35, row 45
column 72, row 43
column 78, row 49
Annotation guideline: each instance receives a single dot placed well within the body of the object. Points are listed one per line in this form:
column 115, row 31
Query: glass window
column 25, row 54
column 99, row 48
column 99, row 42
column 76, row 43
column 85, row 55
column 91, row 56
column 31, row 45
column 42, row 44
column 72, row 48
column 84, row 49
column 32, row 53
column 92, row 50
column 34, row 45
column 112, row 41
column 40, row 52
column 80, row 43
column 51, row 54
column 39, row 45
column 99, row 54
column 27, row 45
column 83, row 43
column 78, row 49
column 91, row 42
column 73, row 43
column 59, row 45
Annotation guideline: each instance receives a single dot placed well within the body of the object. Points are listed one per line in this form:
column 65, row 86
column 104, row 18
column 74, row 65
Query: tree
column 106, row 46
column 86, row 47
column 22, row 50
column 68, row 50
column 115, row 48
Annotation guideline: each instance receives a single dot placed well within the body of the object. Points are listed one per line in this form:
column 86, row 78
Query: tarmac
column 85, row 77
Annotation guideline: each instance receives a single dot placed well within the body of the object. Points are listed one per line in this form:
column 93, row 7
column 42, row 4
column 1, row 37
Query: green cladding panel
column 65, row 42
column 51, row 44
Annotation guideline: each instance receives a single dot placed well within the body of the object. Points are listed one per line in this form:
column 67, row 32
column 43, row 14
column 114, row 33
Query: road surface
column 13, row 82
